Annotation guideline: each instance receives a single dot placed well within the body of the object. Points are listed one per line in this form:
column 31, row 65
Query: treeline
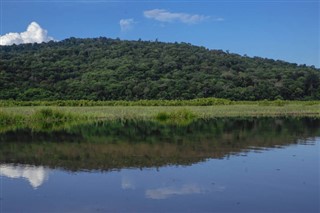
column 112, row 69
column 191, row 102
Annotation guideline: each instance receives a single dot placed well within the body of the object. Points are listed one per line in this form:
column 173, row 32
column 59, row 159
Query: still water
column 218, row 165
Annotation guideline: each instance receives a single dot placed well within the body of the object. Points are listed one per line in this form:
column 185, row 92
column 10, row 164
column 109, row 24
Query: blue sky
column 285, row 30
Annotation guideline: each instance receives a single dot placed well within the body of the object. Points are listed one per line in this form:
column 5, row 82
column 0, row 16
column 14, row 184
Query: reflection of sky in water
column 166, row 187
column 165, row 192
column 127, row 183
column 287, row 178
column 36, row 175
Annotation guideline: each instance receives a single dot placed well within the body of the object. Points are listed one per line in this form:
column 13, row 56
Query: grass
column 43, row 115
column 34, row 113
column 42, row 119
column 161, row 110
column 181, row 117
column 7, row 118
column 50, row 115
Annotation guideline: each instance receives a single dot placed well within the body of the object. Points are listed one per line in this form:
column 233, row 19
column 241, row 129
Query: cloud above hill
column 33, row 34
column 166, row 16
column 126, row 24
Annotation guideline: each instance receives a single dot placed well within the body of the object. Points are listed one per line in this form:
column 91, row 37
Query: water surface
column 221, row 165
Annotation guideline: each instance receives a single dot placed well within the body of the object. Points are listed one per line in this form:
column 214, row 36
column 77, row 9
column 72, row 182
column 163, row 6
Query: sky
column 279, row 29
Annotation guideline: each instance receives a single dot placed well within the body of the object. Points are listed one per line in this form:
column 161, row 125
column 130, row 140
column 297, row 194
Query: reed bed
column 54, row 113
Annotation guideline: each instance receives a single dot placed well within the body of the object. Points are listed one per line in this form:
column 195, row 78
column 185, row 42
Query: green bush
column 279, row 102
column 177, row 117
column 162, row 116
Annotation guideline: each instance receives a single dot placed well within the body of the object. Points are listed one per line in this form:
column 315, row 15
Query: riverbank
column 149, row 112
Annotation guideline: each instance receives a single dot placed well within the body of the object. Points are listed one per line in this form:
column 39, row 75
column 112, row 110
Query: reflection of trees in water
column 131, row 143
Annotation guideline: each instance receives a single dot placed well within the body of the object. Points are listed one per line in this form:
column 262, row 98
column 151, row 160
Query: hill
column 112, row 69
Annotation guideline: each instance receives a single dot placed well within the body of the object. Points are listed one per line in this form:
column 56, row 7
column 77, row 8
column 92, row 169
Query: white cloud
column 126, row 24
column 219, row 19
column 33, row 34
column 35, row 175
column 166, row 16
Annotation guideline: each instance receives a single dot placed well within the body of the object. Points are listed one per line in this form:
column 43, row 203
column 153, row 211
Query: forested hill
column 111, row 69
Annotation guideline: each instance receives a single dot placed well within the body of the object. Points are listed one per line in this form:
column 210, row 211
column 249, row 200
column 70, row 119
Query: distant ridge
column 113, row 69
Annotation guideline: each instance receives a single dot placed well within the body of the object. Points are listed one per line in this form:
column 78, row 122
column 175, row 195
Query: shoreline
column 149, row 112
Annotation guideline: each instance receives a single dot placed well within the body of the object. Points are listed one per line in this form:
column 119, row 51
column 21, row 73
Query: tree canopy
column 113, row 69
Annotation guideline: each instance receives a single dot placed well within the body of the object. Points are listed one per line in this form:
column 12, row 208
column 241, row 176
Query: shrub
column 181, row 117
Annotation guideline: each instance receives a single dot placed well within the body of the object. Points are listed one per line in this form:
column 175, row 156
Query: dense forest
column 112, row 69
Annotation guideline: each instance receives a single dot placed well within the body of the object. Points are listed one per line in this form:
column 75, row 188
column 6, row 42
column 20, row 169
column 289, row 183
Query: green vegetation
column 50, row 115
column 181, row 117
column 111, row 69
column 43, row 118
column 265, row 109
column 8, row 118
column 192, row 102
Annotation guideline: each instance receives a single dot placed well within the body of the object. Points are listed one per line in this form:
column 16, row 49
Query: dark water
column 221, row 165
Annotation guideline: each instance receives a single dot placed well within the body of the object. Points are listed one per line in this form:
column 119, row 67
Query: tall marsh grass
column 48, row 114
column 181, row 117
column 273, row 103
column 7, row 118
column 43, row 116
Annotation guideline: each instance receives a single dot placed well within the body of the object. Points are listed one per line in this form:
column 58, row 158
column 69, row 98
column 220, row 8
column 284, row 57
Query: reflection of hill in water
column 119, row 144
